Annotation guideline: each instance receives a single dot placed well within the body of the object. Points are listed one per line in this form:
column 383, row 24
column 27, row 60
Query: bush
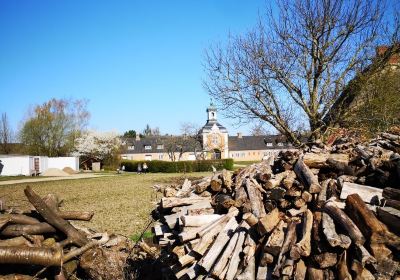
column 158, row 166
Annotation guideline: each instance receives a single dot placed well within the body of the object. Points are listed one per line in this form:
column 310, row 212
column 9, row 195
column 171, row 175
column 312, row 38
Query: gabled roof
column 153, row 142
column 244, row 143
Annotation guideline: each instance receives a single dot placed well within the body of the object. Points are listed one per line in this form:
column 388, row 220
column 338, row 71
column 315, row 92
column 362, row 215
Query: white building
column 34, row 165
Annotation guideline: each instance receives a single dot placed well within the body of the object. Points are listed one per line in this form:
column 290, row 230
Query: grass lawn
column 122, row 204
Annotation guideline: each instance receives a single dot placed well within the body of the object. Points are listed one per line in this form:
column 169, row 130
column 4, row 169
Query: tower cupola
column 212, row 113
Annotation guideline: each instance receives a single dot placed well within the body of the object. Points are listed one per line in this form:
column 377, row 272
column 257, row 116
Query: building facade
column 212, row 142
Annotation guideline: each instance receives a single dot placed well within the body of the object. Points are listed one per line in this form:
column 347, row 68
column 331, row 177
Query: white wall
column 61, row 162
column 20, row 165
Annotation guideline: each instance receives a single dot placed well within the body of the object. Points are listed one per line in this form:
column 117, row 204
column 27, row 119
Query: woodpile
column 42, row 244
column 326, row 212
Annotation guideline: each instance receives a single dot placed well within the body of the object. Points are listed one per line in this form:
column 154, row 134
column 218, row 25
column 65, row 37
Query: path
column 71, row 177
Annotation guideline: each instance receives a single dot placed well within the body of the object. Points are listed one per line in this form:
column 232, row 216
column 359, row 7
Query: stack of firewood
column 320, row 213
column 42, row 244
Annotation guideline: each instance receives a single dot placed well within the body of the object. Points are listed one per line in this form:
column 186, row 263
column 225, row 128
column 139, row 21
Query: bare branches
column 296, row 63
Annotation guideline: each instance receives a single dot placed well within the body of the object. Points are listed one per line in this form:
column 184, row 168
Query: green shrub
column 159, row 166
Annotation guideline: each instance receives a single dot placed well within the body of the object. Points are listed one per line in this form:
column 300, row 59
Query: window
column 147, row 147
column 131, row 148
column 160, row 147
column 160, row 156
column 269, row 144
column 280, row 144
column 147, row 157
column 242, row 155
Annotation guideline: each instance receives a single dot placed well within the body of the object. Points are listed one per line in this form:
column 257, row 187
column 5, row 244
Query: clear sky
column 137, row 62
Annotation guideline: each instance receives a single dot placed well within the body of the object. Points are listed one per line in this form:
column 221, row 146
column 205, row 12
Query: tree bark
column 306, row 176
column 51, row 217
column 31, row 255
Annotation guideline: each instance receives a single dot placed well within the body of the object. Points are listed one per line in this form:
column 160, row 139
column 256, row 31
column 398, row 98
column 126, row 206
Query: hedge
column 159, row 166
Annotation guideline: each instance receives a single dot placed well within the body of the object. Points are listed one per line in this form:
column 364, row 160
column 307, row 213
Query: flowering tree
column 97, row 145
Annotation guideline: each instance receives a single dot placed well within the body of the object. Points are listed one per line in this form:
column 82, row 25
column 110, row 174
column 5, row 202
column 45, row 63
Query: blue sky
column 137, row 62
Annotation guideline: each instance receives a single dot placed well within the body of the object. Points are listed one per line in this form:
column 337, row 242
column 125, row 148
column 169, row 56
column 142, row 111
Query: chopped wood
column 331, row 235
column 197, row 221
column 267, row 223
column 300, row 270
column 303, row 247
column 305, row 174
column 321, row 160
column 390, row 217
column 276, row 179
column 216, row 183
column 31, row 255
column 391, row 193
column 343, row 220
column 326, row 259
column 234, row 261
column 275, row 240
column 169, row 202
column 256, row 202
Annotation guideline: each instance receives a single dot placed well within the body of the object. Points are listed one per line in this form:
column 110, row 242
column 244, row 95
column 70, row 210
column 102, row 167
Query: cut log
column 326, row 259
column 31, row 255
column 287, row 268
column 74, row 236
column 224, row 258
column 343, row 220
column 276, row 180
column 300, row 270
column 222, row 239
column 307, row 177
column 361, row 272
column 223, row 201
column 22, row 230
column 235, row 259
column 169, row 202
column 321, row 160
column 371, row 227
column 303, row 247
column 391, row 193
column 203, row 185
column 255, row 197
column 306, row 196
column 289, row 180
column 262, row 272
column 16, row 241
column 368, row 194
column 250, row 270
column 392, row 203
column 227, row 179
column 343, row 270
column 170, row 192
column 197, row 221
column 332, row 237
column 290, row 239
column 198, row 212
column 76, row 215
column 19, row 219
column 250, row 219
column 216, row 183
column 275, row 240
column 390, row 217
column 364, row 256
column 267, row 223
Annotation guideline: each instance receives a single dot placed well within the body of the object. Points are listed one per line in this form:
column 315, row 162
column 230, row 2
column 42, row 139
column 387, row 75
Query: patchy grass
column 122, row 204
column 146, row 235
column 240, row 164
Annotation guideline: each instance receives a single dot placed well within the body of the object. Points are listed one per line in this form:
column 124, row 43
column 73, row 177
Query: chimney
column 239, row 135
column 137, row 137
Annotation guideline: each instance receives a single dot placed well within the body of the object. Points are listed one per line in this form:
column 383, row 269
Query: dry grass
column 122, row 204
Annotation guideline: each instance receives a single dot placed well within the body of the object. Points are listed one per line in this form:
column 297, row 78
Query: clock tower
column 214, row 135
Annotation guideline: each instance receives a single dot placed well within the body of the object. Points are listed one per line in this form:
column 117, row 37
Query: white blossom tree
column 97, row 145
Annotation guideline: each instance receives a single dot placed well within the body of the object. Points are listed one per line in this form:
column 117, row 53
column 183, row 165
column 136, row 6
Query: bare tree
column 294, row 65
column 6, row 134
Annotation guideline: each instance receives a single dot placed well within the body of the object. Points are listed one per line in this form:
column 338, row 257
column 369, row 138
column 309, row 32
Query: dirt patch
column 69, row 170
column 55, row 172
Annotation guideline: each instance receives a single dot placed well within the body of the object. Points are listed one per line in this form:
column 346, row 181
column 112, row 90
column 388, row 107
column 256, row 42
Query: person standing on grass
column 145, row 167
column 139, row 168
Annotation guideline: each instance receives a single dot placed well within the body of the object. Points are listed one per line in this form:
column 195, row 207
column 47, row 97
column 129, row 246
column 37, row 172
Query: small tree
column 6, row 134
column 52, row 127
column 99, row 146
column 130, row 134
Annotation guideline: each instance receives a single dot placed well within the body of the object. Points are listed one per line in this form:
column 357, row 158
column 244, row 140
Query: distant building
column 214, row 142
